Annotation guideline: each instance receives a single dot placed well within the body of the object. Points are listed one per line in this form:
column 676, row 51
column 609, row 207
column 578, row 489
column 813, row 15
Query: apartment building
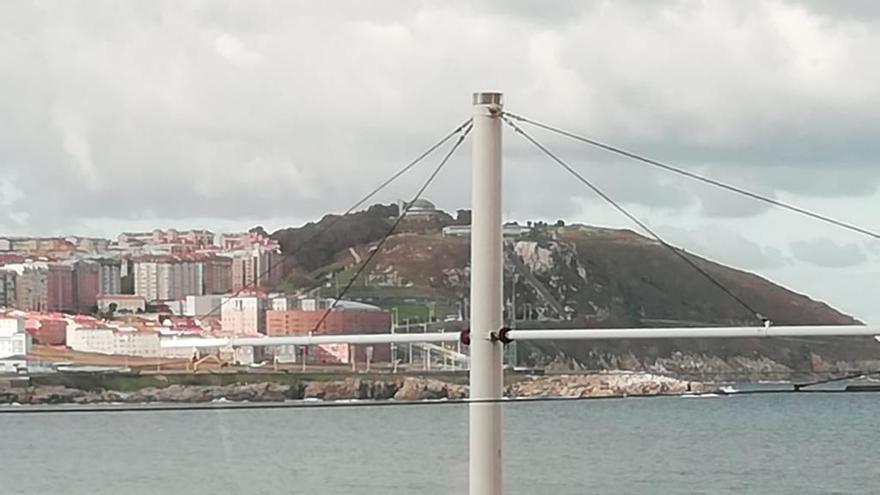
column 217, row 272
column 126, row 341
column 86, row 284
column 339, row 321
column 244, row 313
column 14, row 340
column 160, row 278
column 256, row 267
column 60, row 287
column 110, row 276
column 7, row 288
column 31, row 289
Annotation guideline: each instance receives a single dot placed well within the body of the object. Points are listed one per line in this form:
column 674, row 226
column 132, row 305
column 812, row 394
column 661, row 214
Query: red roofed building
column 346, row 321
column 46, row 328
column 191, row 239
column 11, row 258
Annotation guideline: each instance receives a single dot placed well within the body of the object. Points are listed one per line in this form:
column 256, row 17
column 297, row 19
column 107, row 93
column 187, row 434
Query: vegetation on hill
column 316, row 244
column 558, row 275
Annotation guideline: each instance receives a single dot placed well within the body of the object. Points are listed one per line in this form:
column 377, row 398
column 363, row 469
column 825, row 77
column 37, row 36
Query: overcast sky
column 134, row 115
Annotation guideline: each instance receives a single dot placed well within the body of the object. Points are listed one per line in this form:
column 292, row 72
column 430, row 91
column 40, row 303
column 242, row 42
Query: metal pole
column 534, row 334
column 486, row 297
column 406, row 322
column 369, row 351
column 393, row 348
column 698, row 333
column 513, row 301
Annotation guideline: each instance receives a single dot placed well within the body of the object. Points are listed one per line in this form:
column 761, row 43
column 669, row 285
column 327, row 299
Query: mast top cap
column 487, row 98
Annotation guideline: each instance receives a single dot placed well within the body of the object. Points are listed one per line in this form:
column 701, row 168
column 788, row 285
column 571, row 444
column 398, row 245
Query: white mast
column 486, row 380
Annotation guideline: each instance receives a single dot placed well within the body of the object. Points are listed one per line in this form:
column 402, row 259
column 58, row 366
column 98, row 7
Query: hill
column 576, row 276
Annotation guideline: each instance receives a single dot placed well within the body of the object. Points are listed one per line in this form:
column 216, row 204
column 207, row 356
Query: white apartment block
column 108, row 340
column 206, row 305
column 146, row 280
column 166, row 279
column 243, row 314
column 14, row 340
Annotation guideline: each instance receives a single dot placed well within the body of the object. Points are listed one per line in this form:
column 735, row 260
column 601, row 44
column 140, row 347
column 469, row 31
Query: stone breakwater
column 409, row 388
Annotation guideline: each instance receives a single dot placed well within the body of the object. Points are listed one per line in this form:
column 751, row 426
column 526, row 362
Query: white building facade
column 205, row 305
column 121, row 303
column 166, row 279
column 244, row 314
column 146, row 280
column 14, row 340
column 283, row 303
column 108, row 340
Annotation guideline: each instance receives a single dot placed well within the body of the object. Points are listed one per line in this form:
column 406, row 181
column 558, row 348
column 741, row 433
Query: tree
column 384, row 211
column 560, row 223
column 259, row 230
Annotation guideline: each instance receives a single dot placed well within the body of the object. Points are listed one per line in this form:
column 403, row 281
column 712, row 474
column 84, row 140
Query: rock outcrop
column 421, row 388
column 614, row 384
column 350, row 388
column 393, row 388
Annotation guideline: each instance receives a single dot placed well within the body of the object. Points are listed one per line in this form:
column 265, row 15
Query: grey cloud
column 721, row 204
column 851, row 9
column 551, row 13
column 236, row 110
column 827, row 253
column 830, row 181
column 726, row 247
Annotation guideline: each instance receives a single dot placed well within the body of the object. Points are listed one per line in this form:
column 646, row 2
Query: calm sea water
column 768, row 444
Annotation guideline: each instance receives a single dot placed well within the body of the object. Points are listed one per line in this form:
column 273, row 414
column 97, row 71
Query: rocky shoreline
column 616, row 384
column 402, row 389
